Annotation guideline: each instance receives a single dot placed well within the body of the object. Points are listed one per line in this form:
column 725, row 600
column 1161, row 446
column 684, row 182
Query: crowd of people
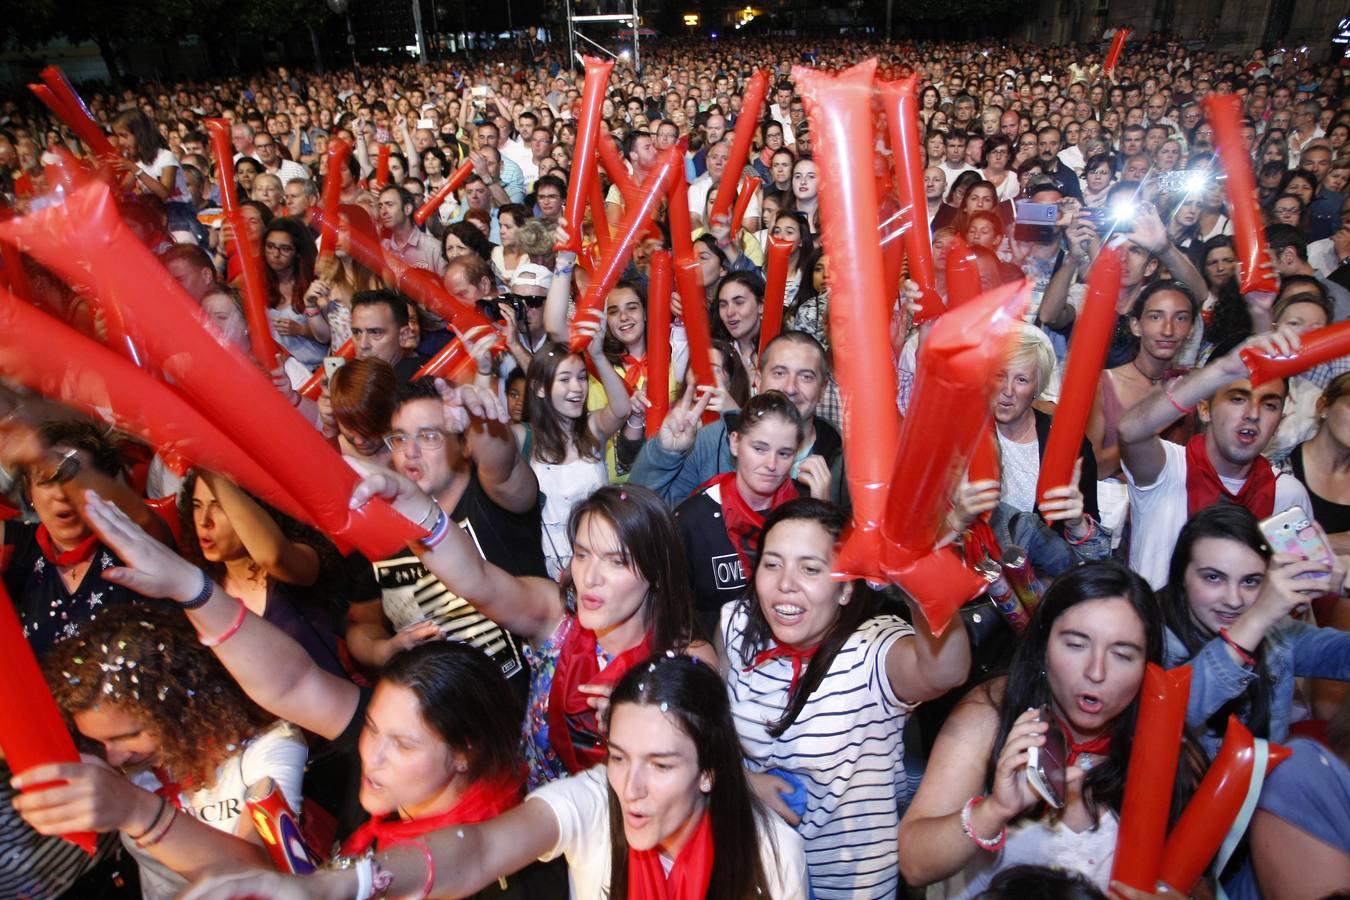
column 620, row 664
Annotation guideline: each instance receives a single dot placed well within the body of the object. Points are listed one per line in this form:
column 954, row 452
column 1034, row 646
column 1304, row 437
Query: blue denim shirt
column 1292, row 650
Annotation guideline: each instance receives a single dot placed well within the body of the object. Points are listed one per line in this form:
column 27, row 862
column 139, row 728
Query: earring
column 705, row 785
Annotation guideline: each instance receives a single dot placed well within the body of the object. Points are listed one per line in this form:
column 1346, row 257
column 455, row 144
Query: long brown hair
column 551, row 434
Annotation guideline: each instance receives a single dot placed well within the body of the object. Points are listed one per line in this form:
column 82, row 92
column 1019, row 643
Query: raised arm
column 276, row 672
column 922, row 666
column 486, row 424
column 279, row 556
column 606, row 422
column 559, row 291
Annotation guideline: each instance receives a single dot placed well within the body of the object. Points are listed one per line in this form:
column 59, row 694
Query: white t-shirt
column 1158, row 512
column 846, row 746
column 1021, row 470
column 581, row 805
column 698, row 198
column 165, row 159
column 278, row 753
column 953, row 171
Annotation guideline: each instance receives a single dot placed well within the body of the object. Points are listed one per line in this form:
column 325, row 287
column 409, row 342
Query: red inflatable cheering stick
column 1229, row 788
column 749, row 187
column 334, row 163
column 1322, row 345
column 588, row 131
column 949, row 413
column 840, row 111
column 1091, row 340
column 1152, row 773
column 1117, row 47
column 777, row 258
column 1224, row 112
column 32, row 732
column 265, row 349
column 452, row 184
column 963, row 274
column 752, row 101
column 382, row 167
column 902, row 116
column 658, row 341
column 63, row 100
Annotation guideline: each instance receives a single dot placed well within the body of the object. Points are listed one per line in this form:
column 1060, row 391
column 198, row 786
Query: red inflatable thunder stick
column 635, row 221
column 776, row 260
column 62, row 99
column 611, row 160
column 901, row 102
column 334, row 162
column 382, row 167
column 1152, row 773
column 1229, row 789
column 751, row 104
column 689, row 284
column 604, row 235
column 588, row 132
column 839, row 109
column 963, row 274
column 1117, row 47
column 32, row 732
column 1091, row 340
column 279, row 827
column 313, row 385
column 658, row 340
column 85, row 238
column 265, row 349
column 949, row 414
column 452, row 362
column 452, row 184
column 749, row 187
column 1322, row 345
column 1225, row 113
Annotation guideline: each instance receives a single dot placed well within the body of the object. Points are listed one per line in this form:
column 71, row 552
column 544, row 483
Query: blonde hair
column 1034, row 347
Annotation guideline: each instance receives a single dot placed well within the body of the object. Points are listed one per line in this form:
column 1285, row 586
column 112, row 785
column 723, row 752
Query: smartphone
column 479, row 90
column 1029, row 213
column 1045, row 765
column 428, row 124
column 1293, row 532
column 331, row 364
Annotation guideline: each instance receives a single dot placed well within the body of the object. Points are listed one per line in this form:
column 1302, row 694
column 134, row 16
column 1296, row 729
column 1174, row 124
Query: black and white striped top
column 32, row 866
column 846, row 746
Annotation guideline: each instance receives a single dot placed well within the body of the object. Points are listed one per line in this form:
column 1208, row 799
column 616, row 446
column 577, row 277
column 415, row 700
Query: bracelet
column 311, row 311
column 163, row 802
column 228, row 632
column 208, row 588
column 1173, row 400
column 365, row 877
column 563, row 270
column 1092, row 529
column 438, row 531
column 993, row 844
column 426, row 855
column 1243, row 653
column 151, row 840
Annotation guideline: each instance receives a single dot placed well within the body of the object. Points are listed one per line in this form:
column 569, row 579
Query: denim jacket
column 1292, row 650
column 1048, row 552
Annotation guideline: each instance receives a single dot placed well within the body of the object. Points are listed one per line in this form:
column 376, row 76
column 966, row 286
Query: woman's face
column 567, row 394
column 708, row 262
column 1222, row 580
column 215, row 533
column 1168, row 156
column 1336, row 179
column 397, row 172
column 781, row 169
column 786, row 228
column 609, row 592
column 1303, row 317
column 127, row 744
column 1274, row 152
column 773, row 137
column 125, row 140
column 1098, row 177
column 454, row 246
column 245, row 174
column 796, row 593
column 559, row 154
column 507, row 228
column 804, row 185
column 653, row 770
column 980, row 197
column 1220, row 263
column 224, row 316
column 1187, row 213
column 981, row 233
column 998, row 158
column 764, row 455
column 626, row 318
column 936, row 149
column 1095, row 662
column 739, row 310
column 404, row 764
column 1016, row 389
column 279, row 251
column 820, row 274
column 431, row 165
column 1301, row 188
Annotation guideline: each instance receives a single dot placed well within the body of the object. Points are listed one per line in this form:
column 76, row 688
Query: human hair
column 650, row 547
column 615, row 351
column 1310, row 290
column 1279, row 236
column 398, row 306
column 189, row 253
column 535, row 238
column 552, row 435
column 470, row 237
column 1228, row 522
column 693, row 697
column 302, row 261
column 516, row 211
column 864, row 604
column 1028, row 687
column 1163, row 284
column 148, row 141
column 551, row 181
column 463, row 697
column 806, row 243
column 985, row 215
column 790, row 336
column 1302, row 174
column 146, row 659
column 738, row 379
column 475, row 268
column 1028, row 882
column 362, row 393
column 1101, row 159
column 96, row 442
column 1033, row 346
column 765, row 405
column 992, row 143
column 405, row 199
column 961, row 184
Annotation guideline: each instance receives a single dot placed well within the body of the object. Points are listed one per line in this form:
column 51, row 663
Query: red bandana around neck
column 689, row 877
column 1205, row 488
column 634, row 372
column 81, row 552
column 1098, row 746
column 800, row 660
column 573, row 730
column 485, row 799
column 743, row 523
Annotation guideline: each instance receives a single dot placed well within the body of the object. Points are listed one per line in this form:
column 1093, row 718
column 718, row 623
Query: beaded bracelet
column 228, row 632
column 993, row 844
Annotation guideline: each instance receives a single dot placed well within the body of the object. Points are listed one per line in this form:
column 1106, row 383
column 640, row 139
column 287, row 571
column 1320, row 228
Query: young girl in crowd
column 507, row 257
column 1228, row 605
column 740, row 308
column 147, row 156
column 821, row 682
column 338, row 279
column 793, row 228
column 357, row 407
column 289, row 253
column 178, row 745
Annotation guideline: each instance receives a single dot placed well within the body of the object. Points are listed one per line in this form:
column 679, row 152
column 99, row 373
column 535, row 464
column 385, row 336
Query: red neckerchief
column 1098, row 746
column 800, row 659
column 634, row 372
column 1204, row 487
column 689, row 877
column 81, row 552
column 169, row 789
column 485, row 799
column 743, row 523
column 570, row 716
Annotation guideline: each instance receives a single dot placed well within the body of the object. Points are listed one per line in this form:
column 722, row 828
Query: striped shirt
column 846, row 746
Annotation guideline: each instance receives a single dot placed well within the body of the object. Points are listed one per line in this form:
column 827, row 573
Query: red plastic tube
column 588, row 129
column 963, row 274
column 900, row 99
column 752, row 102
column 334, row 162
column 658, row 341
column 75, row 114
column 1117, row 47
column 748, row 188
column 777, row 258
column 313, row 385
column 1322, row 345
column 1224, row 113
column 452, row 362
column 452, row 184
column 382, row 167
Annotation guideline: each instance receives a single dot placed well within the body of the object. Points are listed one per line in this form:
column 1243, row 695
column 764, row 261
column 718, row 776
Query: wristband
column 1092, row 529
column 163, row 802
column 994, row 844
column 148, row 841
column 365, row 878
column 438, row 531
column 1243, row 653
column 197, row 602
column 228, row 632
column 430, row 861
column 1185, row 411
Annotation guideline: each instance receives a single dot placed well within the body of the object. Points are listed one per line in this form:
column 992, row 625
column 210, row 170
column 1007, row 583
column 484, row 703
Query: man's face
column 956, row 150
column 265, row 148
column 375, row 333
column 393, row 214
column 643, row 154
column 541, row 143
column 297, row 201
column 783, row 98
column 1132, row 141
column 666, row 136
column 1010, row 123
column 716, row 129
column 1048, row 144
column 485, row 136
column 934, row 183
column 717, row 160
column 1242, row 420
column 794, row 369
column 477, row 195
column 1316, row 160
column 430, row 468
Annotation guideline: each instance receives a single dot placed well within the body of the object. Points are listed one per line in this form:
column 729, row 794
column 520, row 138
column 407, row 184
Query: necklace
column 1151, row 380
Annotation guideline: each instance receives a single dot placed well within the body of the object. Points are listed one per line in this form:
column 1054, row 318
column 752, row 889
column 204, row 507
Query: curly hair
column 146, row 659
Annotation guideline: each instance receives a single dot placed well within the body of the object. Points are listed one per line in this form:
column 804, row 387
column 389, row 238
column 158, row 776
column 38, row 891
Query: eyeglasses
column 426, row 438
column 282, row 249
